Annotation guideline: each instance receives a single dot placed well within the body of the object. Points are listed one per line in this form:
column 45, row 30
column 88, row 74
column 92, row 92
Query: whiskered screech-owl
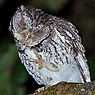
column 49, row 47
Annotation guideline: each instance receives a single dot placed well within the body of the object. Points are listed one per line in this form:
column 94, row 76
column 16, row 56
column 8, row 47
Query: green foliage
column 51, row 5
column 12, row 73
column 54, row 5
column 8, row 58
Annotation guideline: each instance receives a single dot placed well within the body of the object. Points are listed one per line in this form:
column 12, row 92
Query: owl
column 49, row 47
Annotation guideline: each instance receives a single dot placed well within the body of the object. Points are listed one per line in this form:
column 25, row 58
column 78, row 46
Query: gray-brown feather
column 56, row 40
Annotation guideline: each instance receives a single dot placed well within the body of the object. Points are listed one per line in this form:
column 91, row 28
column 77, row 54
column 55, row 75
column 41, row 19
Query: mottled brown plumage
column 49, row 47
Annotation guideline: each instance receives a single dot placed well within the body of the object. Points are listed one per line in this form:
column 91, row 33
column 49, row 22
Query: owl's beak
column 27, row 36
column 28, row 40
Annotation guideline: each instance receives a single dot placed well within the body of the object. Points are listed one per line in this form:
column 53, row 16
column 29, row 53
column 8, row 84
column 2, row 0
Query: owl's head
column 28, row 25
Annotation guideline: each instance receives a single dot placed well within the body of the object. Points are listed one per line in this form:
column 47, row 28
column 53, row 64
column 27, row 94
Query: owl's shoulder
column 67, row 31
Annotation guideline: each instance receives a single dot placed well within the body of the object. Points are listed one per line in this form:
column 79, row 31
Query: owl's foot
column 37, row 61
column 42, row 63
column 49, row 66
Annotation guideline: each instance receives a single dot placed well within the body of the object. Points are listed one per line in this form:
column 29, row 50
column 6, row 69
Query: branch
column 65, row 88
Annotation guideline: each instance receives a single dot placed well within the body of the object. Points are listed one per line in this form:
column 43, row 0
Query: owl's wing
column 69, row 34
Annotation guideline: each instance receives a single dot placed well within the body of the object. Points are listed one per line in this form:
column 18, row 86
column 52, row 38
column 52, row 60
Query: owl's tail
column 83, row 67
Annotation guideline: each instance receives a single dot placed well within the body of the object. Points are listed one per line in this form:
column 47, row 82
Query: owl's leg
column 49, row 66
column 42, row 63
column 36, row 61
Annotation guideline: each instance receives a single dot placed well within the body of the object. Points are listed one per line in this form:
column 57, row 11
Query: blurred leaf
column 55, row 5
column 51, row 5
column 19, row 72
column 8, row 58
column 6, row 84
column 7, row 61
column 19, row 75
column 11, row 74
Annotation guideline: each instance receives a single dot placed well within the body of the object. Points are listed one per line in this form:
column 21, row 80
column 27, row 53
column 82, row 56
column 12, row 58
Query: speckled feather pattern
column 55, row 41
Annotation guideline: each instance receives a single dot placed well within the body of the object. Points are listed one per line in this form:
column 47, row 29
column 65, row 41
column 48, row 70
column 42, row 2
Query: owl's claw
column 38, row 61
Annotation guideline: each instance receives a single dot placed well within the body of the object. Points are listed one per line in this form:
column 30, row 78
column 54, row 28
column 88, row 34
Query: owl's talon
column 42, row 63
column 36, row 61
column 33, row 60
column 40, row 66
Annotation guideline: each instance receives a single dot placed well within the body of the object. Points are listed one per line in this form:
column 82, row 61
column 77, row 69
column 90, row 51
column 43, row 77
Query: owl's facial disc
column 23, row 37
column 19, row 26
column 25, row 29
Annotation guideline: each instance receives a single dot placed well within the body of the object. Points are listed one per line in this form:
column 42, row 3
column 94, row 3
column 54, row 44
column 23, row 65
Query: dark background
column 14, row 79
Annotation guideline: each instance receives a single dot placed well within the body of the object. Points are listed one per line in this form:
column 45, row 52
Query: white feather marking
column 62, row 37
column 84, row 67
column 30, row 53
column 69, row 34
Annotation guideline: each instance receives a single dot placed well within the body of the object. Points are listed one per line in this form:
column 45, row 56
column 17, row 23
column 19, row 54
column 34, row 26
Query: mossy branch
column 65, row 88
